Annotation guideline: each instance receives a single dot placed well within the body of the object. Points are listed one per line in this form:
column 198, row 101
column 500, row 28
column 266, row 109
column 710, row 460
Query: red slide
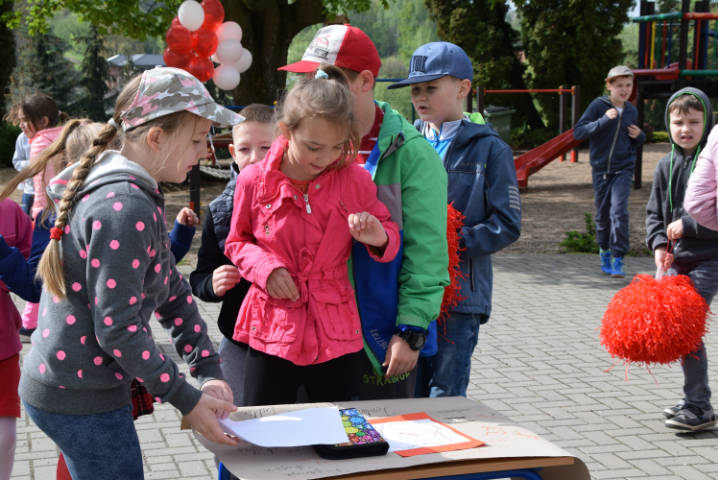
column 537, row 158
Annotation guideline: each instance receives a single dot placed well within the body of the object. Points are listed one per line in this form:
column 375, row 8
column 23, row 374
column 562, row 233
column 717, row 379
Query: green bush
column 8, row 135
column 660, row 136
column 581, row 242
column 524, row 138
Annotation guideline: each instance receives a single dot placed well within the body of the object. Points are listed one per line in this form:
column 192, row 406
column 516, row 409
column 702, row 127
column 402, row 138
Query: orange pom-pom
column 654, row 321
column 452, row 297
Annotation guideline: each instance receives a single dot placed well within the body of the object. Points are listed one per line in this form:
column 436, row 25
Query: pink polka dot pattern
column 95, row 262
column 158, row 267
column 110, row 195
column 117, row 206
column 187, row 348
column 111, row 283
column 140, row 226
column 132, row 328
column 108, row 321
column 114, row 244
column 197, row 328
column 70, row 319
column 44, row 311
column 45, row 333
column 178, row 321
column 140, row 380
column 162, row 357
column 154, row 216
column 83, row 254
column 55, row 299
column 172, row 298
column 133, row 300
column 135, row 263
column 116, row 352
column 189, row 299
column 42, row 368
column 158, row 400
column 97, row 360
column 119, row 376
column 67, row 229
column 205, row 353
column 87, row 195
column 83, row 339
column 61, row 355
column 96, row 225
column 167, row 279
column 76, row 287
column 165, row 377
column 79, row 373
column 146, row 355
column 134, row 186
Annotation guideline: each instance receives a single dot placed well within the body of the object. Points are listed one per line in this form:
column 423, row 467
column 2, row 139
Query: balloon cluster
column 198, row 38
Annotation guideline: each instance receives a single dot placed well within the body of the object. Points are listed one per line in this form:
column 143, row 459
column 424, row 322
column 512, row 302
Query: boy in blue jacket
column 609, row 123
column 482, row 186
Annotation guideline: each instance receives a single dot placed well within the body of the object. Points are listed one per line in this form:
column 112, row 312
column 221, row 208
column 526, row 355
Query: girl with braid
column 106, row 269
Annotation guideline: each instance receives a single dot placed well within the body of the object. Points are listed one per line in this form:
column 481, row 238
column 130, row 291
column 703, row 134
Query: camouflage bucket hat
column 166, row 90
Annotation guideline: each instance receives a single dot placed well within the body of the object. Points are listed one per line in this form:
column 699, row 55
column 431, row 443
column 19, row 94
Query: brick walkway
column 539, row 362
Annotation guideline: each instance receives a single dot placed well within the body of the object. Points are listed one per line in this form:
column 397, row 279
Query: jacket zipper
column 306, row 203
column 613, row 145
column 471, row 275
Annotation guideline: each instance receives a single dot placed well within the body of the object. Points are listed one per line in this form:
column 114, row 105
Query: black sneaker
column 692, row 418
column 25, row 334
column 671, row 412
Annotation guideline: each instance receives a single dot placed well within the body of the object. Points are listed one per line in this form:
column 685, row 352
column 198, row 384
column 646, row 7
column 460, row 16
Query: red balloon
column 205, row 42
column 213, row 15
column 201, row 67
column 174, row 59
column 179, row 39
column 175, row 21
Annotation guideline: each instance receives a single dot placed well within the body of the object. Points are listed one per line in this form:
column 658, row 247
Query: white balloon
column 229, row 51
column 244, row 62
column 226, row 77
column 229, row 30
column 191, row 15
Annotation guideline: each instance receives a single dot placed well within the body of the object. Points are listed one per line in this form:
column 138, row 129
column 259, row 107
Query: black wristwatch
column 415, row 339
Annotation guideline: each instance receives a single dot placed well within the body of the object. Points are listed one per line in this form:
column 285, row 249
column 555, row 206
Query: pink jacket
column 275, row 225
column 701, row 200
column 16, row 229
column 38, row 143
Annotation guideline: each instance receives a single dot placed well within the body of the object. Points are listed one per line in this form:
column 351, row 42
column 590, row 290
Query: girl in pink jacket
column 295, row 216
column 701, row 200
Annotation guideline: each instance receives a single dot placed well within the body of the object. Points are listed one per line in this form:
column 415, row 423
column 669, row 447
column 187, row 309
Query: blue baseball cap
column 435, row 60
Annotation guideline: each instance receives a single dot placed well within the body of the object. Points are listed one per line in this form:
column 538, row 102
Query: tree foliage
column 94, row 73
column 571, row 43
column 7, row 56
column 480, row 28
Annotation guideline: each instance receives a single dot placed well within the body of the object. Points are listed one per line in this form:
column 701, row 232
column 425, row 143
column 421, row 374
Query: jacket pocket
column 337, row 314
column 271, row 320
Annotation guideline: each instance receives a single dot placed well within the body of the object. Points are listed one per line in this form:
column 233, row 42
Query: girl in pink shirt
column 295, row 216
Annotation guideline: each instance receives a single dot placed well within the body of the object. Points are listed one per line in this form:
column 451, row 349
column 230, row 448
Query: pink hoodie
column 701, row 201
column 275, row 225
column 38, row 143
column 16, row 229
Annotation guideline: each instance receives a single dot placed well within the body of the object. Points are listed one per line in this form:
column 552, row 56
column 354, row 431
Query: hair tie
column 55, row 233
column 321, row 74
column 112, row 122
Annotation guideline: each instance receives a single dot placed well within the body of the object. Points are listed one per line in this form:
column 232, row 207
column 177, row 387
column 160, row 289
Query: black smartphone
column 364, row 440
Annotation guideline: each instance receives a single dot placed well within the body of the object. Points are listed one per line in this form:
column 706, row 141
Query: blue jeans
column 26, row 202
column 103, row 445
column 611, row 193
column 695, row 365
column 446, row 374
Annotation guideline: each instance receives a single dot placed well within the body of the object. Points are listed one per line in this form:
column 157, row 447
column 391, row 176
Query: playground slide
column 537, row 158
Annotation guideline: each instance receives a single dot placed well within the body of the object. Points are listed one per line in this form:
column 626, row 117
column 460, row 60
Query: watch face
column 416, row 340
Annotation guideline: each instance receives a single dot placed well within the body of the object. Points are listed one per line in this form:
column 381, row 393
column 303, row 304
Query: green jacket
column 412, row 183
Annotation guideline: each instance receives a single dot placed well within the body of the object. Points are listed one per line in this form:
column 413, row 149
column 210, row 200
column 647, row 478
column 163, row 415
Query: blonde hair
column 50, row 268
column 327, row 98
column 75, row 138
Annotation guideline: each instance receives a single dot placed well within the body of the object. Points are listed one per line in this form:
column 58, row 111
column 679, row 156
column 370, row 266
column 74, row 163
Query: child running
column 107, row 268
column 295, row 215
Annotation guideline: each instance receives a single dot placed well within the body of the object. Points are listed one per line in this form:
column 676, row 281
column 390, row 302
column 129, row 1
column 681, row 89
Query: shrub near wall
column 8, row 135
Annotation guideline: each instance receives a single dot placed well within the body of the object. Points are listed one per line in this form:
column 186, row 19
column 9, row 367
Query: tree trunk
column 268, row 29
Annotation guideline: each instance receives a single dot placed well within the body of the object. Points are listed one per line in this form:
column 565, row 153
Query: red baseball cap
column 341, row 45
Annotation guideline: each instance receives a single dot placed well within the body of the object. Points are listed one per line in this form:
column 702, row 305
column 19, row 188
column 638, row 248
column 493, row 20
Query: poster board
column 507, row 446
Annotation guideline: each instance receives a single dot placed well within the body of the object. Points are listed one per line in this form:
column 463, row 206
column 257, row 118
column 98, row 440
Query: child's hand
column 280, row 284
column 224, row 278
column 611, row 113
column 662, row 259
column 675, row 230
column 203, row 419
column 633, row 131
column 187, row 217
column 400, row 358
column 220, row 390
column 366, row 228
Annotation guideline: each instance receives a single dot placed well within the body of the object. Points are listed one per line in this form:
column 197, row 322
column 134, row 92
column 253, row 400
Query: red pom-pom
column 654, row 321
column 452, row 297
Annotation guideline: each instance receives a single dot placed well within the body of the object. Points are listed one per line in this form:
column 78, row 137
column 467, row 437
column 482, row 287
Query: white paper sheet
column 309, row 426
column 412, row 434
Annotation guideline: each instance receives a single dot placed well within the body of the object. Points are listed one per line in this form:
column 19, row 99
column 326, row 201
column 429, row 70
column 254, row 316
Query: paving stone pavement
column 539, row 361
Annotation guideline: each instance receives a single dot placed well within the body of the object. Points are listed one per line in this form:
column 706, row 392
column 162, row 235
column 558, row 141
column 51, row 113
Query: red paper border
column 470, row 443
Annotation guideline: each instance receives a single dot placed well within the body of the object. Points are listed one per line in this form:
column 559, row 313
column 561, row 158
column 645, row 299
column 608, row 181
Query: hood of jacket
column 707, row 112
column 110, row 167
